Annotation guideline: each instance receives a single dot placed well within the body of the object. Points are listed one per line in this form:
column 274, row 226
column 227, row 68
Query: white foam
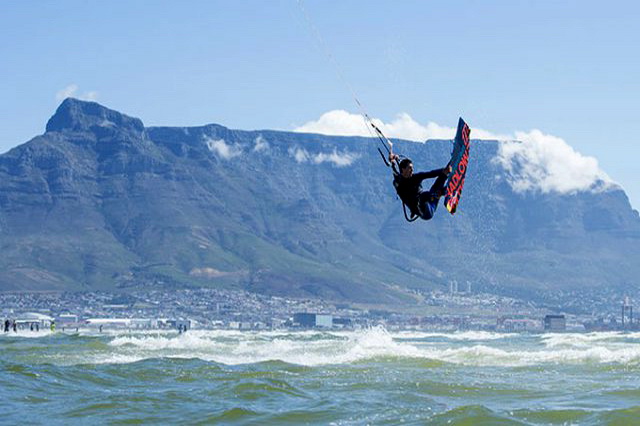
column 313, row 348
column 581, row 340
column 481, row 355
column 27, row 334
column 155, row 343
column 232, row 347
column 455, row 336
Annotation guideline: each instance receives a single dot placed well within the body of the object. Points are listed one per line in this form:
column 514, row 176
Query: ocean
column 319, row 377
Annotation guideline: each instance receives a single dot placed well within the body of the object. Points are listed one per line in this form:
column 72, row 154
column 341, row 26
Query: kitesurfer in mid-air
column 408, row 185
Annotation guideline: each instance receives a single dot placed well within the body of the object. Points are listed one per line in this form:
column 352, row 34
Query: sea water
column 319, row 377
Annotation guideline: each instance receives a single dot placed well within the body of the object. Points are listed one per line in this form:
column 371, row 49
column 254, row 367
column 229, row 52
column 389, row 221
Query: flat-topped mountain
column 101, row 202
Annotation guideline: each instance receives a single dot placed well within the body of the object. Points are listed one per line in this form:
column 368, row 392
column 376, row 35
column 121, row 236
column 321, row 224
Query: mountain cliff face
column 101, row 202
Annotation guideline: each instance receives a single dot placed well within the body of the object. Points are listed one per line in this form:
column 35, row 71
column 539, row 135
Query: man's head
column 406, row 168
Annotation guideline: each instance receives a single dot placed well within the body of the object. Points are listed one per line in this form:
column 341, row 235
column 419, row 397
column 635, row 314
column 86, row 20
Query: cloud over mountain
column 342, row 159
column 344, row 123
column 539, row 162
column 533, row 161
column 222, row 149
column 71, row 91
column 260, row 144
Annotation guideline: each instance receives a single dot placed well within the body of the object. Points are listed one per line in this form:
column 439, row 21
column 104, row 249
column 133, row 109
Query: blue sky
column 569, row 69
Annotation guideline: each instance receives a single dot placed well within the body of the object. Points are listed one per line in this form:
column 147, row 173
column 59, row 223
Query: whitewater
column 369, row 376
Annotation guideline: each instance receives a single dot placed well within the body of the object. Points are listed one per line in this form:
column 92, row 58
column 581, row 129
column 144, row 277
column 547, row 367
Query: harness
column 387, row 144
column 413, row 217
column 408, row 218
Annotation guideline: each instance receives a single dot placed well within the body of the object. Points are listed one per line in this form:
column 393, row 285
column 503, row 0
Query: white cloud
column 67, row 92
column 539, row 162
column 336, row 122
column 71, row 91
column 344, row 123
column 90, row 96
column 338, row 159
column 260, row 144
column 405, row 127
column 300, row 155
column 533, row 161
column 222, row 149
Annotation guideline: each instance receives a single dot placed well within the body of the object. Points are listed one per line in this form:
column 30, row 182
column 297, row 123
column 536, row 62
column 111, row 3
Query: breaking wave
column 315, row 348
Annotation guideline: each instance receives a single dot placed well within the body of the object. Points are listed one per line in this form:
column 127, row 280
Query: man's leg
column 437, row 189
column 428, row 202
column 426, row 205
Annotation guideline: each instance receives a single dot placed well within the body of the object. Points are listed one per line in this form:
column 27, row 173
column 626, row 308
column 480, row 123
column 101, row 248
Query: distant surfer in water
column 408, row 185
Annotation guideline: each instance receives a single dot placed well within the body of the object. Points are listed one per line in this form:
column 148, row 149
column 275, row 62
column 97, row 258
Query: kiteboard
column 459, row 162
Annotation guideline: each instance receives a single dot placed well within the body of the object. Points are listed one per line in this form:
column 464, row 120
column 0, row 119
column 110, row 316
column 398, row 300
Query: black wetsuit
column 421, row 203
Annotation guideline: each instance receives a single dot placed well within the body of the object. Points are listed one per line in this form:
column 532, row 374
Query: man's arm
column 393, row 162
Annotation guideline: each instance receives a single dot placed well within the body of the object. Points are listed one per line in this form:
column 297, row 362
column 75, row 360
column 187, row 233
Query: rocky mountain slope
column 99, row 201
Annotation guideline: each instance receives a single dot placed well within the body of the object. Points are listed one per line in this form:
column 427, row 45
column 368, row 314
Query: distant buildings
column 68, row 320
column 342, row 322
column 30, row 320
column 240, row 310
column 627, row 311
column 308, row 320
column 555, row 323
column 455, row 288
column 626, row 322
column 121, row 323
column 517, row 323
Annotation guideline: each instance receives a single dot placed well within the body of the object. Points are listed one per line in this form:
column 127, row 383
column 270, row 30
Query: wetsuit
column 421, row 203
